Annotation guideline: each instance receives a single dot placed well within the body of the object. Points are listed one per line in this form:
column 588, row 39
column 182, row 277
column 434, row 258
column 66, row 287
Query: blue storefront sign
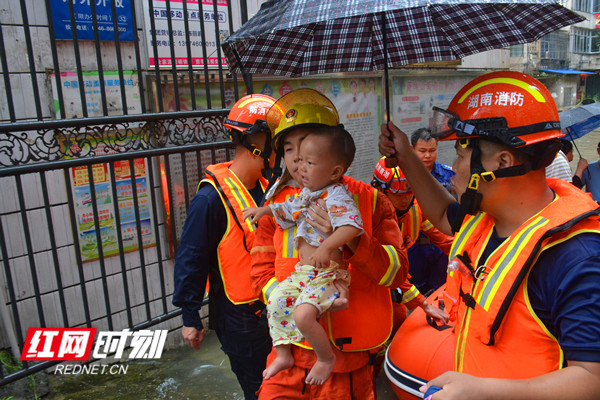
column 61, row 18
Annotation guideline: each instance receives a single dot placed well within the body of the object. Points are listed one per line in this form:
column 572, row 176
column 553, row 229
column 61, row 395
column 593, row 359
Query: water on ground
column 180, row 374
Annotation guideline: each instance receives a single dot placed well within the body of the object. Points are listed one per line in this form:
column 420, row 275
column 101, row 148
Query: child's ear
column 337, row 173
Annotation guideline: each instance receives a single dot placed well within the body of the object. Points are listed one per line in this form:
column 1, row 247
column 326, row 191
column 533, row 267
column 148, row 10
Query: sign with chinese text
column 199, row 13
column 61, row 19
column 69, row 82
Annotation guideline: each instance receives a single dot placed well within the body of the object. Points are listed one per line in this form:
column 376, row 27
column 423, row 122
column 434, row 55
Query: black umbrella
column 306, row 37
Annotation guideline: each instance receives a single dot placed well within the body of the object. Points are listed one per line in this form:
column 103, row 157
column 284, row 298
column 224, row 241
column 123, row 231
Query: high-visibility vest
column 367, row 323
column 233, row 251
column 498, row 334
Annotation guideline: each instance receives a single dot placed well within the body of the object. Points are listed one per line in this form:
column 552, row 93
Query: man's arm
column 440, row 239
column 431, row 195
column 578, row 381
column 202, row 229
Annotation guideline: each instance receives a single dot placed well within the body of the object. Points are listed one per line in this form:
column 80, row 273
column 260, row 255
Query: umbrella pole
column 573, row 141
column 390, row 162
column 385, row 68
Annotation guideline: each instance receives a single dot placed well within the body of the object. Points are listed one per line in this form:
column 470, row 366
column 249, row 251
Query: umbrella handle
column 573, row 141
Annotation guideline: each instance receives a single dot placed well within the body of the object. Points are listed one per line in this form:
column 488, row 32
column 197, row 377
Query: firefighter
column 215, row 246
column 523, row 280
column 377, row 260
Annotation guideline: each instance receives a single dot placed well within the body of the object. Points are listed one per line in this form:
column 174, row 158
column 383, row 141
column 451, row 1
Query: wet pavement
column 180, row 374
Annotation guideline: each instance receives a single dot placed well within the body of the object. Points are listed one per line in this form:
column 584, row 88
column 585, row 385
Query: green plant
column 13, row 365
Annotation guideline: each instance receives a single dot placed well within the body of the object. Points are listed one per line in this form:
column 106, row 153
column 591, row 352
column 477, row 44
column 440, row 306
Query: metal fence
column 101, row 149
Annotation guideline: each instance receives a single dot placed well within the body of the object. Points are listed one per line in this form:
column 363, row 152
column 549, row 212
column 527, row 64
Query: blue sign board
column 61, row 18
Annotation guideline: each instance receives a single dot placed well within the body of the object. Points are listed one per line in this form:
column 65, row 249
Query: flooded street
column 180, row 374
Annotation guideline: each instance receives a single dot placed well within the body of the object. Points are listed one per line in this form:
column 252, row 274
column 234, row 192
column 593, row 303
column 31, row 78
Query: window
column 588, row 6
column 555, row 46
column 585, row 41
column 517, row 50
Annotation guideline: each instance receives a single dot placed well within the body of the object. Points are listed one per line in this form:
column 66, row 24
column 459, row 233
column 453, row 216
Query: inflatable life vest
column 420, row 351
column 370, row 306
column 494, row 318
column 233, row 252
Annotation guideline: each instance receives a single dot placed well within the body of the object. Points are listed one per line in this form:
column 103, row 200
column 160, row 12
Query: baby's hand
column 252, row 214
column 321, row 257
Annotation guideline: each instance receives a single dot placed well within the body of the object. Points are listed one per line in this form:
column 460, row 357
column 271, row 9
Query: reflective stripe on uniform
column 394, row 266
column 289, row 250
column 242, row 201
column 465, row 232
column 516, row 245
column 410, row 294
column 269, row 287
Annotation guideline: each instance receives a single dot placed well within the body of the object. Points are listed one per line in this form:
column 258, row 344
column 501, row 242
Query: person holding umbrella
column 522, row 281
column 377, row 258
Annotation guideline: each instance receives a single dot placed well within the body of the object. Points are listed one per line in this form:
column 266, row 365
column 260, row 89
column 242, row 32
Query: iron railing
column 99, row 144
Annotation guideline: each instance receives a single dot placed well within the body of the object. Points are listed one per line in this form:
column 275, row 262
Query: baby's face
column 316, row 164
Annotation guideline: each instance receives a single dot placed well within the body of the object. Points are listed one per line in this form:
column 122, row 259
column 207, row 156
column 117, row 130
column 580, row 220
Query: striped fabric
column 305, row 37
column 560, row 168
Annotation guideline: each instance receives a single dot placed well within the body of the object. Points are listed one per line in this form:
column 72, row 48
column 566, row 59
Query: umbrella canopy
column 581, row 120
column 305, row 37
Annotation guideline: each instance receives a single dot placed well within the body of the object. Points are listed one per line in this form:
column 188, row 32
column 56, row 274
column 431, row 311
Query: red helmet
column 248, row 114
column 507, row 107
column 390, row 179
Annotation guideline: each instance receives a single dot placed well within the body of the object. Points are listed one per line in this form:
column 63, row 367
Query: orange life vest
column 233, row 252
column 367, row 323
column 498, row 334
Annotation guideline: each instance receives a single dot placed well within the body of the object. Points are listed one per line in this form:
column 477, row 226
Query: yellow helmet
column 302, row 107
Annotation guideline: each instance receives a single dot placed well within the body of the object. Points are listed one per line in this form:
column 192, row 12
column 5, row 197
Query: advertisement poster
column 198, row 12
column 107, row 204
column 82, row 10
column 91, row 81
column 414, row 97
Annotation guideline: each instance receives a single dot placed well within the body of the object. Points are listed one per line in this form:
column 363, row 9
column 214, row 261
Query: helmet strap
column 470, row 201
column 401, row 213
column 274, row 174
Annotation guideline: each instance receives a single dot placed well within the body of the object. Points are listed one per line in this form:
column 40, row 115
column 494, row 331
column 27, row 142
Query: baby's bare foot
column 320, row 372
column 279, row 364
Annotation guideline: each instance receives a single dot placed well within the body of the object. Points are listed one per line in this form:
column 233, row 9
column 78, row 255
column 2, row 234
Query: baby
column 295, row 305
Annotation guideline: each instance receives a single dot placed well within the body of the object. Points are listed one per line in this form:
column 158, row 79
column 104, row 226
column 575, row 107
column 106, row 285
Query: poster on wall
column 198, row 12
column 107, row 206
column 82, row 12
column 91, row 81
column 414, row 97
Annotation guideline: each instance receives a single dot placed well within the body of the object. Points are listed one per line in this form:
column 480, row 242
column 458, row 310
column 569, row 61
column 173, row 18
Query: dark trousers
column 247, row 343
